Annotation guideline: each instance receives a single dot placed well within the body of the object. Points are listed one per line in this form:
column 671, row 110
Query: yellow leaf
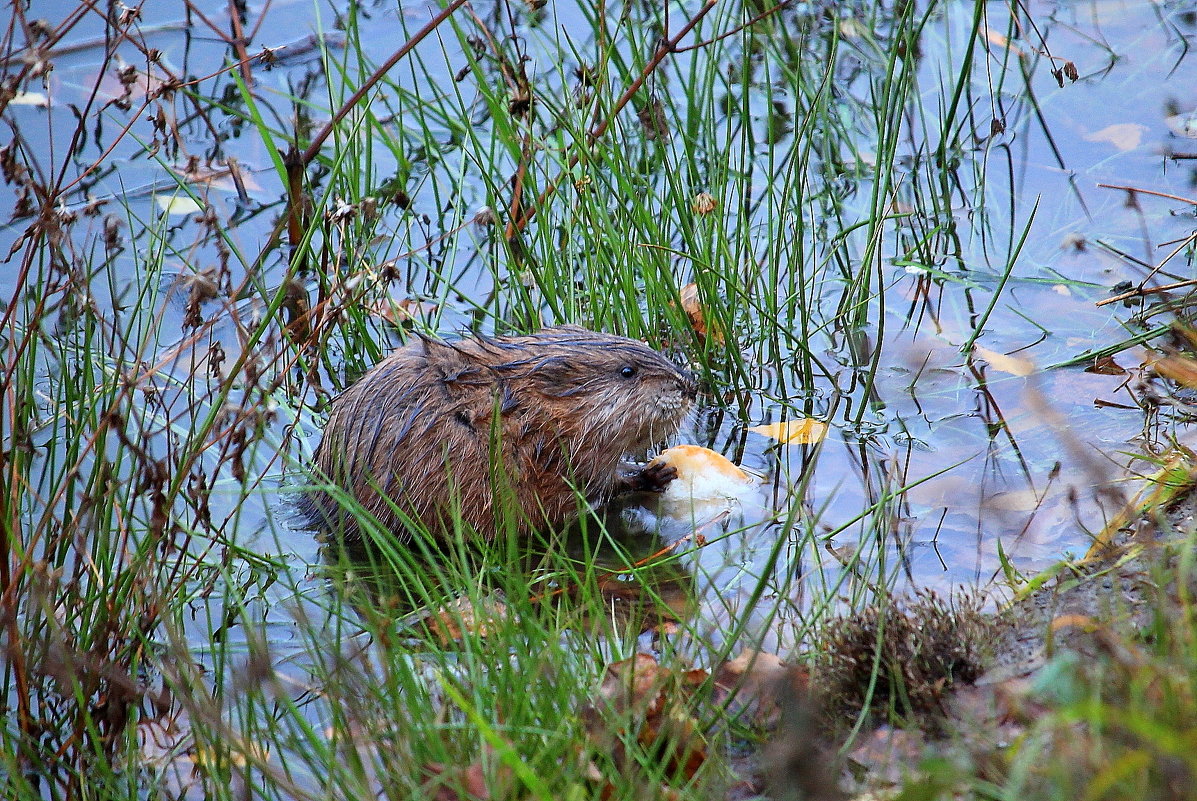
column 177, row 204
column 1013, row 365
column 806, row 431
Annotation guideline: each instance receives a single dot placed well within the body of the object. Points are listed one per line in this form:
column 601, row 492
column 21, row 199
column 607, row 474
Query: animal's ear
column 552, row 368
column 558, row 376
column 434, row 351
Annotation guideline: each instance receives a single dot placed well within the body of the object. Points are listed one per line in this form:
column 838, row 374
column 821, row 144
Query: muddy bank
column 1087, row 687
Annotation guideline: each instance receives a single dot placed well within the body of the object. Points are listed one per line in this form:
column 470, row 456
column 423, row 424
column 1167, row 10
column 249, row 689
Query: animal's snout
column 689, row 384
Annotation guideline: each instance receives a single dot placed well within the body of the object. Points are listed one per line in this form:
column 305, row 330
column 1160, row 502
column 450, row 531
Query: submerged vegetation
column 879, row 218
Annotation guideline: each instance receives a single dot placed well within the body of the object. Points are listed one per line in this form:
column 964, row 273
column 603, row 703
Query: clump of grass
column 901, row 658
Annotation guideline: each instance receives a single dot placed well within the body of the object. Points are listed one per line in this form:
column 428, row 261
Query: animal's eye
column 627, row 371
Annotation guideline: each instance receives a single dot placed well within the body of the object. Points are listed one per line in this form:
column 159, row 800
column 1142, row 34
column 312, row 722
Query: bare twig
column 1143, row 291
column 1149, row 192
column 761, row 16
column 238, row 42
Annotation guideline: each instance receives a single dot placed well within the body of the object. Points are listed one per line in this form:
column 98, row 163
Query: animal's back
column 485, row 428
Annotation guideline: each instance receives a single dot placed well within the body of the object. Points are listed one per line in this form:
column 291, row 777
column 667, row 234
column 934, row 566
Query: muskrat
column 502, row 432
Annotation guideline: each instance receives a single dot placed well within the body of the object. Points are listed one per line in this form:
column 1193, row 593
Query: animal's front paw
column 653, row 477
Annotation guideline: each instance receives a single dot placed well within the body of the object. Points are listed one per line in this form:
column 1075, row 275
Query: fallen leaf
column 630, row 680
column 806, row 431
column 889, row 754
column 464, row 616
column 640, row 692
column 1106, row 366
column 1180, row 369
column 1014, row 365
column 469, row 783
column 29, row 99
column 697, row 315
column 177, row 204
column 1122, row 135
column 754, row 662
column 749, row 685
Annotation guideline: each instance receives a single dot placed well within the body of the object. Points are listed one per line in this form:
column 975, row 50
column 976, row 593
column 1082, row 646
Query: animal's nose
column 689, row 384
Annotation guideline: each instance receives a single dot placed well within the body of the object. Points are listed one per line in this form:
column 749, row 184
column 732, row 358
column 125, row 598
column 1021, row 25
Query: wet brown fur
column 556, row 407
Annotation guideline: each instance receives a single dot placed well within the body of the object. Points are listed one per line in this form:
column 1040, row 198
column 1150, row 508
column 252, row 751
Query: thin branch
column 313, row 149
column 238, row 42
column 763, row 15
column 1149, row 192
column 1142, row 291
